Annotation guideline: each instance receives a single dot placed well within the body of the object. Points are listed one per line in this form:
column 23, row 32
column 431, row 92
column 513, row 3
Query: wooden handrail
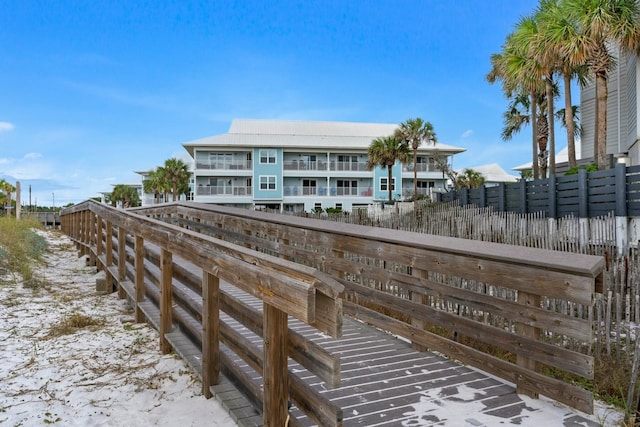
column 432, row 281
column 285, row 287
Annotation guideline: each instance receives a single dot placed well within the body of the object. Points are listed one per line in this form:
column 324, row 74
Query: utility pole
column 30, row 205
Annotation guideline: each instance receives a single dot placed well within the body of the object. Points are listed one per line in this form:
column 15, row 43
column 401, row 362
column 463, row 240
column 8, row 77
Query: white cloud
column 6, row 126
column 32, row 156
column 467, row 133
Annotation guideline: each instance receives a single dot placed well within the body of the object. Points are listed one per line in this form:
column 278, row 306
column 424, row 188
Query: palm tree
column 176, row 174
column 519, row 72
column 385, row 152
column 125, row 194
column 7, row 189
column 601, row 25
column 153, row 184
column 469, row 178
column 414, row 132
column 556, row 46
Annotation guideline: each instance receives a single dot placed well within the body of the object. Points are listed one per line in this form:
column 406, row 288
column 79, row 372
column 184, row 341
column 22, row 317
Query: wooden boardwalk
column 385, row 382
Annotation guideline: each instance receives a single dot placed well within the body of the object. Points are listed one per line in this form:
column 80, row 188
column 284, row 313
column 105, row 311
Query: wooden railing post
column 419, row 298
column 166, row 318
column 122, row 259
column 109, row 243
column 139, row 277
column 210, row 330
column 98, row 236
column 275, row 373
column 529, row 332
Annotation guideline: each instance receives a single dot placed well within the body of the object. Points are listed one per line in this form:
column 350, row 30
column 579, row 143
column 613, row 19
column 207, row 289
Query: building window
column 267, row 157
column 347, row 188
column 309, row 187
column 384, row 184
column 267, row 182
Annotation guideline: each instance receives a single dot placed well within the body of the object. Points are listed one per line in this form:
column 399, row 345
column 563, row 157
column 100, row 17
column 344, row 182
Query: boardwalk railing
column 466, row 299
column 152, row 264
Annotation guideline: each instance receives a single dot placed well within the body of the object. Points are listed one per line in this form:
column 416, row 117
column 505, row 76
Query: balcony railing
column 348, row 166
column 231, row 165
column 223, row 190
column 421, row 167
column 303, row 165
column 292, row 190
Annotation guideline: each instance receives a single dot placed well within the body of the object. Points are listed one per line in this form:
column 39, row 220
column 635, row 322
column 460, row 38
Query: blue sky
column 91, row 91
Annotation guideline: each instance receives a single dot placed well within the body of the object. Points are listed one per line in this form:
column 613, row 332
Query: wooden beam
column 210, row 331
column 275, row 375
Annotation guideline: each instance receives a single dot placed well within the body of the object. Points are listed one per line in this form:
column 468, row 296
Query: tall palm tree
column 385, row 152
column 176, row 174
column 519, row 74
column 602, row 25
column 414, row 132
column 556, row 45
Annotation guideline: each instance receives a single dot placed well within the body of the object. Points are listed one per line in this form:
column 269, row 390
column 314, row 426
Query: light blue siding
column 267, row 170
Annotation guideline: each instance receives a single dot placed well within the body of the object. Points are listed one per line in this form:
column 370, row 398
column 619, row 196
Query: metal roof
column 304, row 134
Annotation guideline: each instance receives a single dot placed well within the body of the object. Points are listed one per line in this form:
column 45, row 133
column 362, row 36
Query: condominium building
column 304, row 165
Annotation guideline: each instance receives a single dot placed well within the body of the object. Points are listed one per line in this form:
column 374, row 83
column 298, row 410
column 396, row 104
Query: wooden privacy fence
column 152, row 264
column 466, row 299
column 584, row 195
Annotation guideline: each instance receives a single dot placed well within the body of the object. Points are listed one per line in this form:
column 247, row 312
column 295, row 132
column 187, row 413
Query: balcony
column 223, row 190
column 292, row 190
column 230, row 165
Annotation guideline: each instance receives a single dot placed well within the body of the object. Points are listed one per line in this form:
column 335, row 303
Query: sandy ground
column 110, row 373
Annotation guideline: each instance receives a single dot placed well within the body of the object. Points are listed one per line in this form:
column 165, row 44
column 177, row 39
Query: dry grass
column 20, row 246
column 72, row 323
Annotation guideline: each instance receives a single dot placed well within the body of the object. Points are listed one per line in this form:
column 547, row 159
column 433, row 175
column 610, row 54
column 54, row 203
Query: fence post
column 622, row 236
column 552, row 208
column 275, row 373
column 583, row 208
column 464, row 196
column 502, row 197
column 139, row 276
column 483, row 195
column 523, row 196
column 91, row 237
column 210, row 329
column 166, row 315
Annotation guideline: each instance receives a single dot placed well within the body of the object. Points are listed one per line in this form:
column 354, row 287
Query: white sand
column 107, row 375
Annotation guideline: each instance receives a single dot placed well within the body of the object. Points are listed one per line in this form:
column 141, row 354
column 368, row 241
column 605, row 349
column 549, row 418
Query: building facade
column 302, row 165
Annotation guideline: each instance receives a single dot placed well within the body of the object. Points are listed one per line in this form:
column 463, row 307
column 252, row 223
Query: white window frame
column 268, row 156
column 268, row 182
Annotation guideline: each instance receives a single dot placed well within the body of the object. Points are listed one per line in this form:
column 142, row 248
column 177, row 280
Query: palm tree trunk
column 389, row 184
column 600, row 141
column 568, row 120
column 550, row 115
column 415, row 174
column 534, row 126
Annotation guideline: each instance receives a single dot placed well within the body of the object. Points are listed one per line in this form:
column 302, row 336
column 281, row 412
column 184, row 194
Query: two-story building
column 303, row 165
